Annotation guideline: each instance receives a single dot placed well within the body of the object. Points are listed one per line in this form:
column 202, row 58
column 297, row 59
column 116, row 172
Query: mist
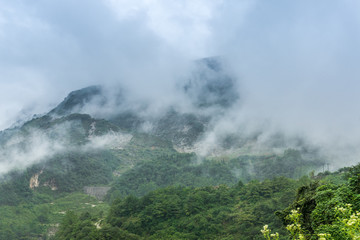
column 293, row 64
column 33, row 145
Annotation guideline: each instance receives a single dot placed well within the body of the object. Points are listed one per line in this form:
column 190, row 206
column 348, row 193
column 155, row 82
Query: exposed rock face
column 34, row 180
column 97, row 192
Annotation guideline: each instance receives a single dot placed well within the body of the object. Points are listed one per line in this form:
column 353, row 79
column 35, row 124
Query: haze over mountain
column 198, row 122
column 289, row 69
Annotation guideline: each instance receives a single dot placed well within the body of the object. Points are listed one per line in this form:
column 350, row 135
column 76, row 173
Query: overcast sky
column 297, row 61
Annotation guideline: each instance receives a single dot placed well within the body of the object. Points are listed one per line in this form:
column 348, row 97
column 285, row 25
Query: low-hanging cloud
column 296, row 60
column 34, row 145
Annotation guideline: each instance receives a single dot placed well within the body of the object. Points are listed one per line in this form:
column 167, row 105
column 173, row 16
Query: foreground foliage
column 324, row 210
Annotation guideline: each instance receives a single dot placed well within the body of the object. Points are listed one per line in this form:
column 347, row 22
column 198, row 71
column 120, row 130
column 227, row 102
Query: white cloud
column 60, row 46
column 184, row 25
column 36, row 145
column 297, row 60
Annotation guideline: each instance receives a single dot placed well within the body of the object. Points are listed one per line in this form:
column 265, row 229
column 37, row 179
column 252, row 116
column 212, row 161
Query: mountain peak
column 76, row 100
column 211, row 84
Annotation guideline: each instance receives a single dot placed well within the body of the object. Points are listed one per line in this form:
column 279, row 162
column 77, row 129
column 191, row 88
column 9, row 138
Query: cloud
column 66, row 45
column 296, row 60
column 184, row 25
column 32, row 145
column 52, row 48
column 23, row 151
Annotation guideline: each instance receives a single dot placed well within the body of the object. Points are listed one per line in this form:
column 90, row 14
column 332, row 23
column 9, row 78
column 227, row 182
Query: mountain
column 74, row 126
column 211, row 85
column 76, row 100
column 94, row 140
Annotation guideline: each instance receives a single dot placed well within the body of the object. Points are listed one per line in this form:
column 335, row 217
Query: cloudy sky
column 297, row 61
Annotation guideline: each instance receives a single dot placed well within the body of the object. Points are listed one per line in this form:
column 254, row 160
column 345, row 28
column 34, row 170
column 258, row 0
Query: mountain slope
column 97, row 137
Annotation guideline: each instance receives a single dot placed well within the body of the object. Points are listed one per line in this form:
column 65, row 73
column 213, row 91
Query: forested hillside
column 213, row 212
column 29, row 211
column 155, row 190
column 54, row 157
column 325, row 206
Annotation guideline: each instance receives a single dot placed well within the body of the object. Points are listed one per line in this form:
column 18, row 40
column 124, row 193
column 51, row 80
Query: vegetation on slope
column 183, row 169
column 325, row 209
column 154, row 166
column 40, row 220
column 145, row 164
column 214, row 212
